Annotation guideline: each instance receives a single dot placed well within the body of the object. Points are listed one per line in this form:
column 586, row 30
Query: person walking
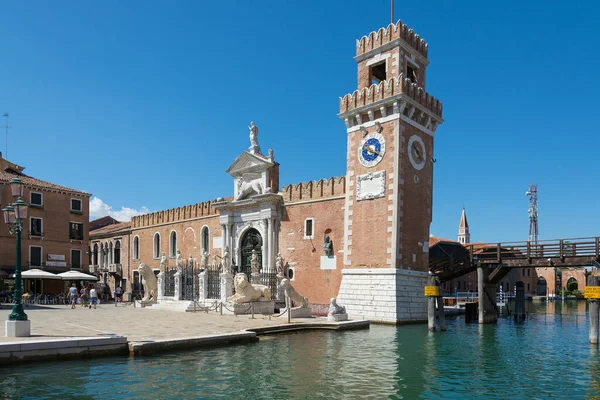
column 73, row 295
column 84, row 296
column 117, row 294
column 93, row 298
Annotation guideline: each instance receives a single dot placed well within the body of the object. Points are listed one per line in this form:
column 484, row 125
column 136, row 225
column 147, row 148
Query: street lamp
column 14, row 216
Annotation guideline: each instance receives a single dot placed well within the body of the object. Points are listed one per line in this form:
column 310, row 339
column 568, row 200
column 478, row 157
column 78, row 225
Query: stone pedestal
column 17, row 328
column 178, row 288
column 259, row 307
column 301, row 312
column 161, row 285
column 202, row 286
column 226, row 286
column 280, row 295
column 255, row 279
column 337, row 317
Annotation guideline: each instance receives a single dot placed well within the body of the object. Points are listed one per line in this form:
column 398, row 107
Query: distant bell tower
column 390, row 122
column 464, row 236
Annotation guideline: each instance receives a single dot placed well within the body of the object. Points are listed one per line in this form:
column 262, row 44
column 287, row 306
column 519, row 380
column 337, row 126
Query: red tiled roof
column 433, row 240
column 30, row 181
column 102, row 222
column 110, row 229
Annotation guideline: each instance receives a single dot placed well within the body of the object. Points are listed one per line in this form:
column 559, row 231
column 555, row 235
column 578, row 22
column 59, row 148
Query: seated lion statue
column 290, row 292
column 246, row 292
column 149, row 282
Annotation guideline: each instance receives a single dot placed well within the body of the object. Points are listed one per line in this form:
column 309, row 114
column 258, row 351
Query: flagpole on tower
column 392, row 11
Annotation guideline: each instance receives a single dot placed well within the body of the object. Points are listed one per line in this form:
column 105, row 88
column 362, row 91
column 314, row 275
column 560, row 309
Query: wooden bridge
column 449, row 260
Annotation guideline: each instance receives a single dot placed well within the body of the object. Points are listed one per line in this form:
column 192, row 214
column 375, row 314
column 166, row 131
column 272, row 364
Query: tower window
column 411, row 73
column 378, row 73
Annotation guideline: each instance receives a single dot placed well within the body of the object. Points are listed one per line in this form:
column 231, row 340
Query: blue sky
column 145, row 104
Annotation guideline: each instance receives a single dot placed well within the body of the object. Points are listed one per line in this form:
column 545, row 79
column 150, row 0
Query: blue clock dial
column 371, row 149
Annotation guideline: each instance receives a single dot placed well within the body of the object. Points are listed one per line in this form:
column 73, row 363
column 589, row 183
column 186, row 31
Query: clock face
column 371, row 149
column 416, row 152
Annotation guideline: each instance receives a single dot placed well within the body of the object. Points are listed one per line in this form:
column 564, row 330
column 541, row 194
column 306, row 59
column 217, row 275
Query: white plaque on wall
column 370, row 186
column 217, row 242
column 56, row 257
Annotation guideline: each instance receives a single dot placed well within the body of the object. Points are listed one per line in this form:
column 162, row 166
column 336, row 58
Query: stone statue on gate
column 226, row 261
column 254, row 148
column 254, row 263
column 215, row 264
column 179, row 262
column 204, row 260
column 328, row 247
column 164, row 264
column 279, row 265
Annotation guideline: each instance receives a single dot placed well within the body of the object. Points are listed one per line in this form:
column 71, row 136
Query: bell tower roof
column 463, row 220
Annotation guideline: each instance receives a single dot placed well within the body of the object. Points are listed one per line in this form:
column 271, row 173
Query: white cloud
column 99, row 209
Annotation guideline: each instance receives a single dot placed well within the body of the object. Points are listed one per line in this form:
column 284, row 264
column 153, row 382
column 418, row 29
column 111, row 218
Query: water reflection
column 547, row 356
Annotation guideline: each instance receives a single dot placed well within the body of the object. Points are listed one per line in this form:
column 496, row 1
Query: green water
column 546, row 357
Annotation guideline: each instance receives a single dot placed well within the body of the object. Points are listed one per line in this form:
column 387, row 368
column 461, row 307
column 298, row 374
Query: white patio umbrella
column 37, row 274
column 76, row 276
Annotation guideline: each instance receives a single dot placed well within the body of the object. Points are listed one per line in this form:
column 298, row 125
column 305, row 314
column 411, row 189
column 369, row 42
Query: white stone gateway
column 291, row 295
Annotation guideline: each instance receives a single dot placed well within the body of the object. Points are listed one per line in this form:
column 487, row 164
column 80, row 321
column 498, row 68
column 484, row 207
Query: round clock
column 416, row 152
column 371, row 149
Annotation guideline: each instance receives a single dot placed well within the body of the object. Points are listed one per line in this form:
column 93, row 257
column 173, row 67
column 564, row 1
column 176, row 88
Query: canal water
column 546, row 357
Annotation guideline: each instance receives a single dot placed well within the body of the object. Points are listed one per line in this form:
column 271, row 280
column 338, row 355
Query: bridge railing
column 558, row 248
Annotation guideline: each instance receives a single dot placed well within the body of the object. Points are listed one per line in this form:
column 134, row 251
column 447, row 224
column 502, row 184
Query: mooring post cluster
column 592, row 293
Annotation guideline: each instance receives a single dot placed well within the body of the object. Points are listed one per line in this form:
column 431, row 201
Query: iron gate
column 170, row 283
column 189, row 283
column 213, row 284
column 269, row 279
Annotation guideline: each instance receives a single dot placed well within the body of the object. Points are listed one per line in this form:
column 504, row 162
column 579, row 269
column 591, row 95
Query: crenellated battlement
column 389, row 88
column 393, row 31
column 314, row 190
column 197, row 210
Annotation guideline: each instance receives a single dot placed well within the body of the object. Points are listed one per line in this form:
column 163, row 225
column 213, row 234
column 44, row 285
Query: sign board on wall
column 56, row 263
column 432, row 291
column 217, row 242
column 591, row 292
column 56, row 257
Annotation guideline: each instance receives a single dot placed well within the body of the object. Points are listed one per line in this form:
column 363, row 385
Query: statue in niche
column 254, row 263
column 279, row 265
column 191, row 262
column 226, row 260
column 328, row 247
column 254, row 148
column 164, row 264
column 179, row 262
column 204, row 260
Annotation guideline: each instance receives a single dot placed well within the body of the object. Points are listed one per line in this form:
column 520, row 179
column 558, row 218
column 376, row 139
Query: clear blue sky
column 145, row 103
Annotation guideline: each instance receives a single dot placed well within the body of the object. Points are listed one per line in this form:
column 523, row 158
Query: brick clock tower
column 390, row 122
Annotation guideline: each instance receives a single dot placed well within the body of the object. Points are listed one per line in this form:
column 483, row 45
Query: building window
column 75, row 258
column 118, row 252
column 290, row 273
column 411, row 73
column 76, row 205
column 35, row 199
column 75, row 231
column 136, row 248
column 528, row 272
column 523, row 274
column 156, row 249
column 528, row 287
column 378, row 73
column 35, row 256
column 205, row 238
column 35, row 226
column 95, row 260
column 173, row 244
column 309, row 228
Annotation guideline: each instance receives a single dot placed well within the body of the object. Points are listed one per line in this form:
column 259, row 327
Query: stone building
column 362, row 237
column 109, row 254
column 54, row 235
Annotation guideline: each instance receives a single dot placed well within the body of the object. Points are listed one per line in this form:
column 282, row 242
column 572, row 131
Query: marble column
column 265, row 248
column 270, row 255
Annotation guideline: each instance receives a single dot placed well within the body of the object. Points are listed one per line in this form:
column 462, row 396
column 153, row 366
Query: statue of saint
column 191, row 262
column 164, row 264
column 254, row 263
column 254, row 148
column 179, row 262
column 215, row 264
column 279, row 264
column 226, row 260
column 204, row 260
column 328, row 247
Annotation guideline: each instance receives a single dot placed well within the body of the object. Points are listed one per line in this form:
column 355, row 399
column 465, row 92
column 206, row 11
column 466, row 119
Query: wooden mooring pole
column 519, row 314
column 431, row 300
column 593, row 310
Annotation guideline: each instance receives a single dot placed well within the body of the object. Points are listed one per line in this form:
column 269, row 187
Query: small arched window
column 118, row 252
column 173, row 244
column 205, row 237
column 136, row 248
column 95, row 254
column 110, row 254
column 156, row 248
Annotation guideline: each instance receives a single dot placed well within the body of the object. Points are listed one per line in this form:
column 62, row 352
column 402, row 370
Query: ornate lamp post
column 14, row 216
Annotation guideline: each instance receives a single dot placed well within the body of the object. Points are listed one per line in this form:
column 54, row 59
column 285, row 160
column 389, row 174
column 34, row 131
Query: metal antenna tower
column 532, row 193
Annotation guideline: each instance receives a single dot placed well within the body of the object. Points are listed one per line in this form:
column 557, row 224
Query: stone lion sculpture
column 290, row 292
column 246, row 292
column 149, row 282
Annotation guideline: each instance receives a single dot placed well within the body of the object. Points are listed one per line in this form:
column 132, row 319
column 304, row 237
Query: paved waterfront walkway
column 137, row 324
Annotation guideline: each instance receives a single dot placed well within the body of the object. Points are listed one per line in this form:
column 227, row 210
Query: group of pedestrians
column 87, row 295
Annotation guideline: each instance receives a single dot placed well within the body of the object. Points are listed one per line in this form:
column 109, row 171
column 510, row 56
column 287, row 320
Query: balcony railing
column 115, row 268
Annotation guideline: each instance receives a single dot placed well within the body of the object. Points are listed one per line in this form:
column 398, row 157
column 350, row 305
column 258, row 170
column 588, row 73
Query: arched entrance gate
column 252, row 240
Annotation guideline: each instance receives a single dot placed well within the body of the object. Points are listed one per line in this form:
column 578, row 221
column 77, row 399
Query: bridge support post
column 593, row 310
column 431, row 281
column 487, row 297
column 520, row 302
